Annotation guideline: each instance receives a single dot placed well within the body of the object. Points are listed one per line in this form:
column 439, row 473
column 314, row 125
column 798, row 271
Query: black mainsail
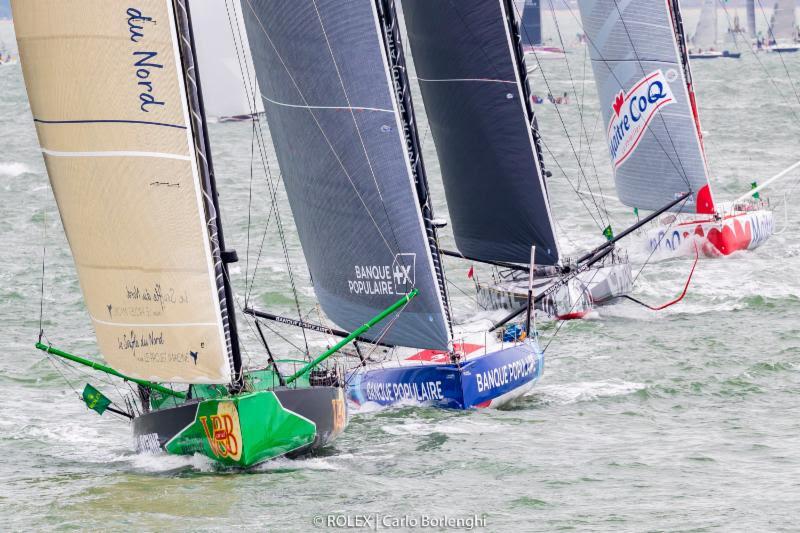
column 470, row 71
column 532, row 23
column 346, row 145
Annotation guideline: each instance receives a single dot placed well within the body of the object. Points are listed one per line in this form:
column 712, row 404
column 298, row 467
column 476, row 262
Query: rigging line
column 321, row 129
column 641, row 66
column 465, row 293
column 590, row 42
column 249, row 212
column 580, row 196
column 44, row 254
column 563, row 125
column 358, row 129
column 250, row 88
column 580, row 109
column 780, row 55
column 562, row 322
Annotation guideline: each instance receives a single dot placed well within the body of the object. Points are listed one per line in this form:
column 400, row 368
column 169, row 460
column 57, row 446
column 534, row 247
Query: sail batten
column 648, row 104
column 119, row 148
column 466, row 60
column 334, row 119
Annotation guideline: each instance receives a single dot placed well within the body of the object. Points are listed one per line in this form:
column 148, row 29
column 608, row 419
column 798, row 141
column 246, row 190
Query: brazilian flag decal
column 95, row 400
column 608, row 232
column 756, row 195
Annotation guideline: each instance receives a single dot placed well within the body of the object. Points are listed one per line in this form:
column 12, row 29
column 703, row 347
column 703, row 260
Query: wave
column 13, row 169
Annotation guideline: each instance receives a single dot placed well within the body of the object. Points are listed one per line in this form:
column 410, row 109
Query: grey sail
column 750, row 6
column 782, row 25
column 466, row 59
column 532, row 23
column 334, row 117
column 705, row 35
column 650, row 116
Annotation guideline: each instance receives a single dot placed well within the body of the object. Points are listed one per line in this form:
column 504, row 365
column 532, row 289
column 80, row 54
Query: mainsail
column 531, row 22
column 126, row 162
column 223, row 52
column 750, row 7
column 347, row 149
column 468, row 65
column 782, row 25
column 705, row 35
column 644, row 85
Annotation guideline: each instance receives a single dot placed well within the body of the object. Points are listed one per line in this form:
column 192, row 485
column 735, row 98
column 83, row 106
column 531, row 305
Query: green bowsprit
column 95, row 399
column 243, row 430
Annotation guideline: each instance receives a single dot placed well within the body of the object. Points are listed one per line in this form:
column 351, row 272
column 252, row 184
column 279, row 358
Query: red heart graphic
column 617, row 105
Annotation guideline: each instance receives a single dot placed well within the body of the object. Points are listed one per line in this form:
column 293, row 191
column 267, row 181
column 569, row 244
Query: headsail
column 468, row 65
column 343, row 149
column 127, row 173
column 705, row 35
column 782, row 26
column 644, row 85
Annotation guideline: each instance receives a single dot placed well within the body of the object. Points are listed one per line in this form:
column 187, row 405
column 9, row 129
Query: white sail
column 109, row 99
column 705, row 35
column 224, row 59
column 782, row 26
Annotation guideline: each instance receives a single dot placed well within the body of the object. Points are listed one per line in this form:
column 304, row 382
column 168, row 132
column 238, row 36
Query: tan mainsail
column 108, row 97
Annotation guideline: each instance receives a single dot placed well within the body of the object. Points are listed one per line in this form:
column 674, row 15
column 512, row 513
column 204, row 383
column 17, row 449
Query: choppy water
column 685, row 419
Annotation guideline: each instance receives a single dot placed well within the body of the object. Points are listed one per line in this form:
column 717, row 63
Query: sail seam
column 487, row 80
column 344, row 108
column 110, row 121
column 167, row 325
column 115, row 153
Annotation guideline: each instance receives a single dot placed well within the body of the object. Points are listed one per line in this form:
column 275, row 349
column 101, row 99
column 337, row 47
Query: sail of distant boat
column 782, row 26
column 705, row 35
column 480, row 120
column 531, row 23
column 648, row 103
column 223, row 50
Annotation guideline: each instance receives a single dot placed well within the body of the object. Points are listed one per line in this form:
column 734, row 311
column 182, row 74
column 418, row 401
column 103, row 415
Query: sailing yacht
column 477, row 101
column 531, row 30
column 644, row 81
column 705, row 39
column 338, row 102
column 118, row 108
column 783, row 31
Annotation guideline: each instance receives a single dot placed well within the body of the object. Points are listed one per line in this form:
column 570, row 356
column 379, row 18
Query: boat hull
column 599, row 285
column 714, row 238
column 490, row 380
column 246, row 429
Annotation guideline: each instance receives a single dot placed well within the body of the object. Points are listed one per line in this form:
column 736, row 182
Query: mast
column 222, row 256
column 390, row 26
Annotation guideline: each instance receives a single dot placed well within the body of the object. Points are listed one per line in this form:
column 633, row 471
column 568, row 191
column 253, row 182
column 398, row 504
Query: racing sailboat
column 477, row 100
column 531, row 24
column 338, row 103
column 706, row 35
column 783, row 32
column 117, row 104
column 647, row 97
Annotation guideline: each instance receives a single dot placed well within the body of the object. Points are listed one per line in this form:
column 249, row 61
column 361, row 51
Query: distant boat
column 783, row 31
column 644, row 81
column 706, row 35
column 118, row 110
column 531, row 32
column 475, row 91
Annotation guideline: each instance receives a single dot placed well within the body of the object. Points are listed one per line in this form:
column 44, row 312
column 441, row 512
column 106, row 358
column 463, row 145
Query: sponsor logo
column 632, row 113
column 222, row 431
column 397, row 278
